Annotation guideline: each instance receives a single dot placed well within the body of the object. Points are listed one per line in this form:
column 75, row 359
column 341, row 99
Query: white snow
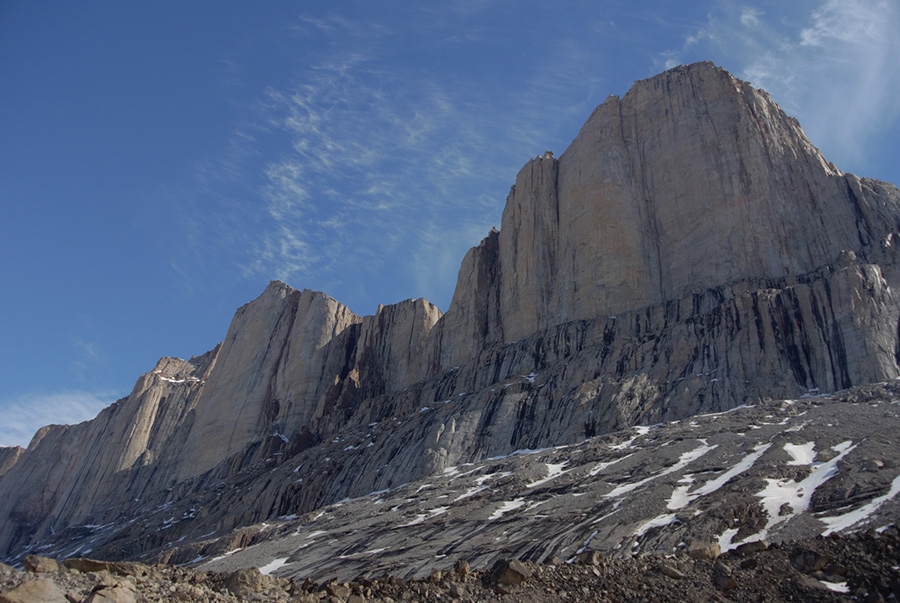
column 838, row 587
column 851, row 518
column 725, row 412
column 801, row 454
column 506, row 507
column 685, row 459
column 658, row 521
column 725, row 543
column 601, row 466
column 681, row 497
column 470, row 492
column 421, row 517
column 640, row 429
column 554, row 470
column 271, row 567
column 777, row 493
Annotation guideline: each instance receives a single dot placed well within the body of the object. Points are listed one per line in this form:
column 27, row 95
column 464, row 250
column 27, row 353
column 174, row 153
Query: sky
column 161, row 162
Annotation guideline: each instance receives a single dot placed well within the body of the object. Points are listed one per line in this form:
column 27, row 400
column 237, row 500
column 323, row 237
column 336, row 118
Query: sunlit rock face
column 689, row 252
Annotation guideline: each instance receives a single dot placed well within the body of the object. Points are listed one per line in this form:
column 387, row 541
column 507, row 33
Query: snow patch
column 606, row 464
column 685, row 459
column 656, row 522
column 506, row 507
column 274, row 565
column 784, row 499
column 838, row 587
column 554, row 470
column 640, row 429
column 681, row 497
column 801, row 454
column 725, row 543
column 851, row 518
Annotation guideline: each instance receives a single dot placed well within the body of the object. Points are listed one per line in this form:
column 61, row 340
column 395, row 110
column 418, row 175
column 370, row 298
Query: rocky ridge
column 749, row 504
column 690, row 252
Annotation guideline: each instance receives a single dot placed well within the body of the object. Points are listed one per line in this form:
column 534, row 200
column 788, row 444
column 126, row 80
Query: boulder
column 41, row 565
column 248, row 581
column 703, row 549
column 510, row 572
column 39, row 590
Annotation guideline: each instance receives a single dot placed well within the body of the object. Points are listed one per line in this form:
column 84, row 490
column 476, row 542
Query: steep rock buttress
column 690, row 251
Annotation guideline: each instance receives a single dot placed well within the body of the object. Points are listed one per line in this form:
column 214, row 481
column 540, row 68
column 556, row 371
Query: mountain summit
column 690, row 252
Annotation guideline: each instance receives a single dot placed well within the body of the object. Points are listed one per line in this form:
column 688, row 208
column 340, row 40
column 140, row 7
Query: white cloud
column 835, row 68
column 24, row 415
column 379, row 161
column 394, row 164
column 750, row 16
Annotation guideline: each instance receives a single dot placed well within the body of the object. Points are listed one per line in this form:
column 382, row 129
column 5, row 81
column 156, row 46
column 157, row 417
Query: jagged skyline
column 162, row 166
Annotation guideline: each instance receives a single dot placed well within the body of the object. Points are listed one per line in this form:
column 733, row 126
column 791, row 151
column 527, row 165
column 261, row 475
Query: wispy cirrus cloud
column 24, row 415
column 835, row 66
column 400, row 166
column 387, row 168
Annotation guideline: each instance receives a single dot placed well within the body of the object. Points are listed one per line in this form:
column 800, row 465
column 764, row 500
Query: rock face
column 8, row 457
column 691, row 251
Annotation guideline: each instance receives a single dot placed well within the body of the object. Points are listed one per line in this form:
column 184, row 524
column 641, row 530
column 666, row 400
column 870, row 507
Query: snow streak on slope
column 681, row 497
column 619, row 494
column 847, row 520
column 785, row 499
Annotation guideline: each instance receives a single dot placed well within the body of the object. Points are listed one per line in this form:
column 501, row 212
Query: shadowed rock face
column 690, row 251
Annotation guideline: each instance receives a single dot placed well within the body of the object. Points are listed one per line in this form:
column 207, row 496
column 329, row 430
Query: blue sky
column 160, row 162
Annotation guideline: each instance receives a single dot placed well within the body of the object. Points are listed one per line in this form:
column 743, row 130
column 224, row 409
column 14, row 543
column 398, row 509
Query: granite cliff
column 690, row 252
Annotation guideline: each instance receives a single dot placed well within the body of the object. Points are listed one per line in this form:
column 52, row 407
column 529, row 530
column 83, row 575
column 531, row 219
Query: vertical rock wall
column 689, row 252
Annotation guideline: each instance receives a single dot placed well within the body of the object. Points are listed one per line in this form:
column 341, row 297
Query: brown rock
column 457, row 590
column 119, row 568
column 461, row 568
column 39, row 590
column 41, row 565
column 703, row 549
column 247, row 581
column 671, row 572
column 113, row 594
column 341, row 591
column 510, row 572
column 9, row 455
column 590, row 557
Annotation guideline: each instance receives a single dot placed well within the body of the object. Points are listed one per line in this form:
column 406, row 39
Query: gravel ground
column 860, row 566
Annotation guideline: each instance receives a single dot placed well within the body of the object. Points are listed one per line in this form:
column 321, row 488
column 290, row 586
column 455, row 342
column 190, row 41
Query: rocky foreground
column 862, row 567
